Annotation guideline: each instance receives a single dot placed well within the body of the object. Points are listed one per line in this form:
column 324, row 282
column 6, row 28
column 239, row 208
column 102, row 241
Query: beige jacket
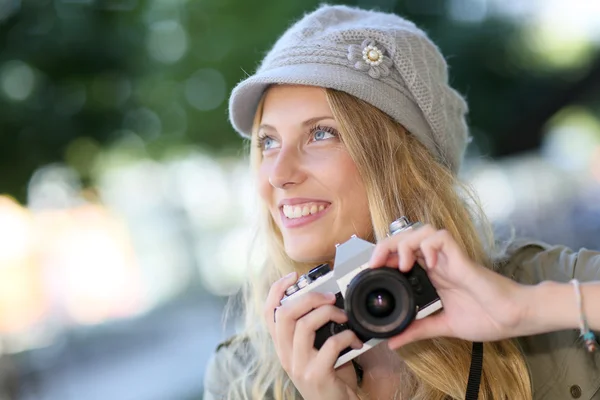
column 560, row 367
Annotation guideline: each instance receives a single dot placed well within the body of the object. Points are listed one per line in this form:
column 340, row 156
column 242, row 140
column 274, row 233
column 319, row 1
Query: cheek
column 348, row 179
column 353, row 190
column 264, row 187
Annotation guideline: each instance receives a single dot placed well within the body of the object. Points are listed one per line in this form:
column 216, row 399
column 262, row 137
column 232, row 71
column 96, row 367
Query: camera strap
column 475, row 371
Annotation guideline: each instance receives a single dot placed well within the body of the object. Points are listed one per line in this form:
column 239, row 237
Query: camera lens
column 380, row 303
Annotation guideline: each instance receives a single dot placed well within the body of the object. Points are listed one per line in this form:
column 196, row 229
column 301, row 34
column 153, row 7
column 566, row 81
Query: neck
column 381, row 359
column 383, row 370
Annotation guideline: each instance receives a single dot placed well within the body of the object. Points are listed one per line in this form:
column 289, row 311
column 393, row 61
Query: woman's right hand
column 293, row 334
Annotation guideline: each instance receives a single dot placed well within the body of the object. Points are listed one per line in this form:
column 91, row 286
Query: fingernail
column 357, row 345
column 330, row 296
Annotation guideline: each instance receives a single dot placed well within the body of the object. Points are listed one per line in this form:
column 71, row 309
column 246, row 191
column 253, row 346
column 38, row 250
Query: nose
column 288, row 169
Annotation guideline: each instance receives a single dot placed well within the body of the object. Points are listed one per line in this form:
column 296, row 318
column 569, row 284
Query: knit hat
column 377, row 57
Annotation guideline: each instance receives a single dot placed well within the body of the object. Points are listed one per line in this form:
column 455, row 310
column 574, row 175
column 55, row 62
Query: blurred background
column 124, row 220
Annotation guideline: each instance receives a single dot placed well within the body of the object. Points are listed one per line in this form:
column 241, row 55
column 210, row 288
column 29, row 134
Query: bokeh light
column 144, row 122
column 18, row 80
column 573, row 136
column 205, row 89
column 167, row 41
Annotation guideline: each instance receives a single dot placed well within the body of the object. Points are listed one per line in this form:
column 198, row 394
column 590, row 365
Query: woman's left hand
column 479, row 304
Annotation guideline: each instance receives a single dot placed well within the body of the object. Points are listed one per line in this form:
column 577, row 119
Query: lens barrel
column 379, row 303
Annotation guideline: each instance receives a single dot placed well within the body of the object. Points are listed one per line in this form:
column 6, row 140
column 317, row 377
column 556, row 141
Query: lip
column 302, row 221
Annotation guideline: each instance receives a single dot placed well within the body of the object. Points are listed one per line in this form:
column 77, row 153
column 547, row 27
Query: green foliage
column 75, row 76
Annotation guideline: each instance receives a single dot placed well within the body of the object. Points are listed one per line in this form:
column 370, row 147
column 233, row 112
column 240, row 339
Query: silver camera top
column 351, row 257
column 305, row 279
column 399, row 225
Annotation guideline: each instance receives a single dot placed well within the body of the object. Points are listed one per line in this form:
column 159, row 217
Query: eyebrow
column 308, row 122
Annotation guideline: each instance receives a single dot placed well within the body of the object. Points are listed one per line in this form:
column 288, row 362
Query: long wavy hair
column 401, row 178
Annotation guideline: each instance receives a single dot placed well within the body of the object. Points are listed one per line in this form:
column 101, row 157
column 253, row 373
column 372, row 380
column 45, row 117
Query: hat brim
column 246, row 96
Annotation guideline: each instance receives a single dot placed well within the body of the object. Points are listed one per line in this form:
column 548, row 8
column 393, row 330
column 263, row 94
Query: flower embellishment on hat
column 372, row 55
column 369, row 57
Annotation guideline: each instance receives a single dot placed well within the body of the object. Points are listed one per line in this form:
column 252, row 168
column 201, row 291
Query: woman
column 352, row 125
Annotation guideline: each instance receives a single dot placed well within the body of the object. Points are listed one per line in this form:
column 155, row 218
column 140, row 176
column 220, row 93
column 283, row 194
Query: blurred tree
column 76, row 75
column 66, row 72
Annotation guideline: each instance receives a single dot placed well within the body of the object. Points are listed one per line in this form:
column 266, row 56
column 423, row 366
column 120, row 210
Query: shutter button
column 575, row 391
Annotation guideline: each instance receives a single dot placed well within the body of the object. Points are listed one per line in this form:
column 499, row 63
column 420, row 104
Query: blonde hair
column 401, row 178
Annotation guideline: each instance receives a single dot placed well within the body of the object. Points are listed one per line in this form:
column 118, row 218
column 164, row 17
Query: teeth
column 301, row 211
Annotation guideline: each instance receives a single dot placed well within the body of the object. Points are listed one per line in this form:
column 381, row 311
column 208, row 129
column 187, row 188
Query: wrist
column 551, row 306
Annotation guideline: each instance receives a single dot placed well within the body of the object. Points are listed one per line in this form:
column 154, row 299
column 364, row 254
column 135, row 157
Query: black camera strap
column 475, row 372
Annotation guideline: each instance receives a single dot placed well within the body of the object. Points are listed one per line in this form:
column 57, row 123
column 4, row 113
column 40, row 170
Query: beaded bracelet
column 588, row 336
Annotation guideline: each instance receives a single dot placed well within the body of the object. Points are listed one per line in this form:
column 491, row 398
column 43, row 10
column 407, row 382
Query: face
column 306, row 177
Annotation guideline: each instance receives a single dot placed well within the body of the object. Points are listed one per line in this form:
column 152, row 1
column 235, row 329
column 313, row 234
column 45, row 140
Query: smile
column 302, row 214
column 302, row 210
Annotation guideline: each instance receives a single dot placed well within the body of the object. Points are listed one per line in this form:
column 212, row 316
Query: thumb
column 426, row 328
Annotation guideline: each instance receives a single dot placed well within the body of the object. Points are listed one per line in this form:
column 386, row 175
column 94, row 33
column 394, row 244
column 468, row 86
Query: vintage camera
column 380, row 302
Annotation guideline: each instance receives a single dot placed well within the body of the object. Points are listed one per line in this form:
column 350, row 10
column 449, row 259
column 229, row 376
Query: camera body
column 380, row 303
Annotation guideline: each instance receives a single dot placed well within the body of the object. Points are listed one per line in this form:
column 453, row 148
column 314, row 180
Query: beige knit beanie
column 378, row 57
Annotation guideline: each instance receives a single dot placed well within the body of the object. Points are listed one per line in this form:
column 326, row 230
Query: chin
column 309, row 254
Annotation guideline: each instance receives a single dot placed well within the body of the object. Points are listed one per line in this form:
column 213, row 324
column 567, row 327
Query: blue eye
column 320, row 134
column 266, row 143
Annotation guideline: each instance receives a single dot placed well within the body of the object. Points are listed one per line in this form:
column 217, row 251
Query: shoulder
column 531, row 262
column 547, row 355
column 227, row 362
column 232, row 353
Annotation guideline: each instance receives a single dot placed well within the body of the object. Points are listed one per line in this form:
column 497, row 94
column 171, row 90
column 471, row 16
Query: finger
column 274, row 299
column 287, row 316
column 409, row 249
column 430, row 248
column 294, row 309
column 420, row 259
column 385, row 252
column 305, row 332
column 391, row 261
column 388, row 249
column 441, row 243
column 427, row 328
column 330, row 351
